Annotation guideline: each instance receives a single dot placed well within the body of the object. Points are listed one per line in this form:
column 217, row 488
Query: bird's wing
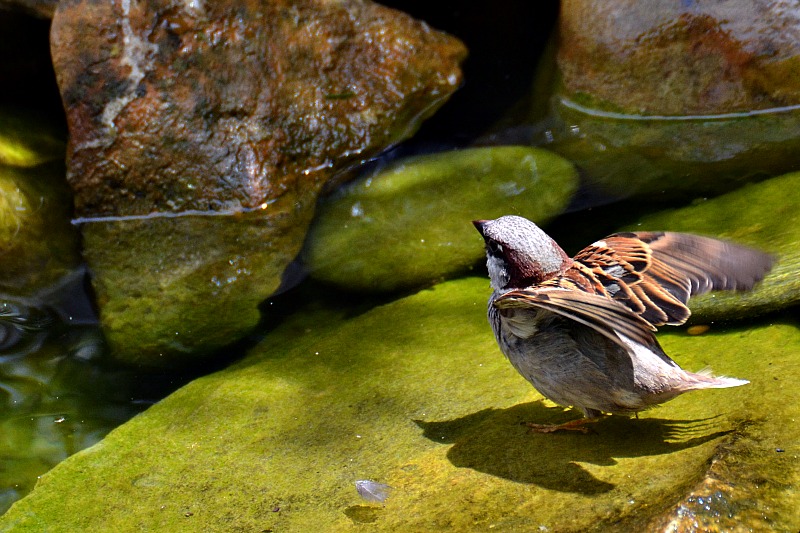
column 602, row 314
column 654, row 273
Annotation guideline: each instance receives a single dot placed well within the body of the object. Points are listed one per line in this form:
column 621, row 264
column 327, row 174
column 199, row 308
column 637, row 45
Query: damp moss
column 27, row 140
column 408, row 225
column 37, row 242
column 172, row 290
column 415, row 394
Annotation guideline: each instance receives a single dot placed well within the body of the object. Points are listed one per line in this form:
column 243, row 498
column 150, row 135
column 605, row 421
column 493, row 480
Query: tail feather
column 703, row 379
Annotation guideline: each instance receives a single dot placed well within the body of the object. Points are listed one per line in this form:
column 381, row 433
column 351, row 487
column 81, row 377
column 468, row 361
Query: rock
column 408, row 225
column 38, row 8
column 765, row 215
column 193, row 298
column 224, row 108
column 647, row 99
column 680, row 59
column 416, row 395
column 26, row 140
column 40, row 246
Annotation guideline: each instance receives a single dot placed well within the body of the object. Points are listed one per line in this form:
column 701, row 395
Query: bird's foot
column 573, row 425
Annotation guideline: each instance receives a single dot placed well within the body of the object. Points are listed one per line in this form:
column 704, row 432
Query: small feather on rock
column 372, row 491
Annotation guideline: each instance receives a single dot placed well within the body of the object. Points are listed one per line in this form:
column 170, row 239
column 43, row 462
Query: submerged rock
column 206, row 276
column 417, row 395
column 38, row 243
column 36, row 238
column 408, row 225
column 674, row 98
column 224, row 107
column 27, row 140
column 765, row 215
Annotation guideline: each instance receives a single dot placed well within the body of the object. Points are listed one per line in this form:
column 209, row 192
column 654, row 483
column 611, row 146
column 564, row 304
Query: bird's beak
column 479, row 225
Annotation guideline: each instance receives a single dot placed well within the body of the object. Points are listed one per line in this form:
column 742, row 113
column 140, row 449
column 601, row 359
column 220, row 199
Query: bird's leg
column 572, row 425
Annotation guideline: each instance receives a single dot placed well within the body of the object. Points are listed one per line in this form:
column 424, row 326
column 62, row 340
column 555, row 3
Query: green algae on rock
column 765, row 215
column 408, row 225
column 194, row 298
column 38, row 244
column 632, row 154
column 26, row 140
column 416, row 395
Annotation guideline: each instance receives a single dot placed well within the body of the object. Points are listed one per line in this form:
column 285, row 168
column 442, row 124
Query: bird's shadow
column 496, row 442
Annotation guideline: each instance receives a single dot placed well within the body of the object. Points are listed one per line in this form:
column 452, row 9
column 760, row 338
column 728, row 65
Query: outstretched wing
column 653, row 274
column 597, row 312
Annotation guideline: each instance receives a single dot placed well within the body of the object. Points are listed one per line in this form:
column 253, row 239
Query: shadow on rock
column 494, row 441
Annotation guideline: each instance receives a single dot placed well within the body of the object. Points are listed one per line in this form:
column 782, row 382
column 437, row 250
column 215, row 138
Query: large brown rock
column 225, row 105
column 201, row 108
column 679, row 58
column 674, row 97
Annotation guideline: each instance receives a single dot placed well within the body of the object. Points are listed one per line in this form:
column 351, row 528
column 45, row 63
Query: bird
column 581, row 330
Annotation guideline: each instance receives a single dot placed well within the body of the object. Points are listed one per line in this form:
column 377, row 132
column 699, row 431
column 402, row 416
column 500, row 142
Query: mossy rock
column 39, row 246
column 408, row 225
column 27, row 140
column 416, row 394
column 173, row 290
column 765, row 215
column 665, row 157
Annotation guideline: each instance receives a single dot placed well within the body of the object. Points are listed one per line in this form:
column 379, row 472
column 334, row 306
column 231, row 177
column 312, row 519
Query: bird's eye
column 494, row 247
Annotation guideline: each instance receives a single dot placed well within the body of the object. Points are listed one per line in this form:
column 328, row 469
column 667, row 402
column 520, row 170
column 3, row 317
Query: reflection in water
column 58, row 395
column 53, row 402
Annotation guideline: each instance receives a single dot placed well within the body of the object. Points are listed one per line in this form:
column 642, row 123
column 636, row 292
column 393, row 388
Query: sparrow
column 581, row 329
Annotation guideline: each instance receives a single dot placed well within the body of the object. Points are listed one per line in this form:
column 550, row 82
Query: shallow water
column 60, row 394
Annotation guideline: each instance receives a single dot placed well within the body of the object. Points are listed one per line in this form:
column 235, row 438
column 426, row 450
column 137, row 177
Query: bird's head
column 519, row 254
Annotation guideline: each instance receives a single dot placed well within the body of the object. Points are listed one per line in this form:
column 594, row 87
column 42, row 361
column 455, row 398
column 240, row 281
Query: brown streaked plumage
column 581, row 330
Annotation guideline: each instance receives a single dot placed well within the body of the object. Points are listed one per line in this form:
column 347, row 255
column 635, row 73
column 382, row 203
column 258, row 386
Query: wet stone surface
column 415, row 395
column 224, row 108
column 226, row 105
column 408, row 225
column 684, row 58
column 672, row 100
column 39, row 246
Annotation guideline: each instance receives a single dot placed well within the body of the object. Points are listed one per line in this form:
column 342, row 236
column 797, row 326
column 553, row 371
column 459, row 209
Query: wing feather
column 653, row 274
column 602, row 314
